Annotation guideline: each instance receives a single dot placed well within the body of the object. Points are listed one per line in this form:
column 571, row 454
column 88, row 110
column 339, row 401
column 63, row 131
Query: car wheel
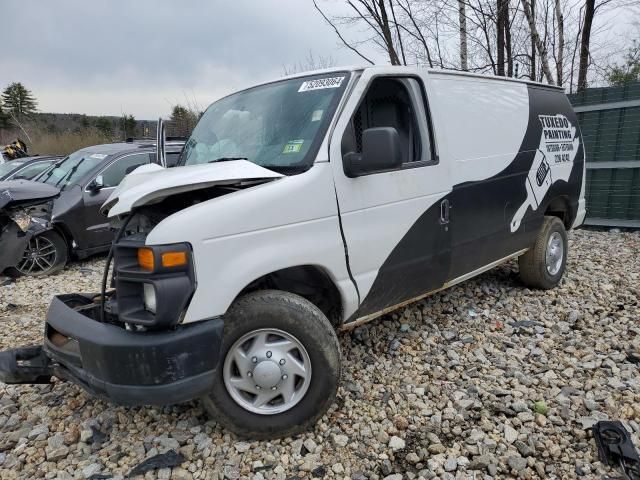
column 280, row 366
column 45, row 254
column 544, row 264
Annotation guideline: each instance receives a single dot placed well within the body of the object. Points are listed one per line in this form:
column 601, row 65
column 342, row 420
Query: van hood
column 151, row 183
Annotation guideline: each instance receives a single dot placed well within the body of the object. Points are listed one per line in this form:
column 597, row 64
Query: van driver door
column 396, row 221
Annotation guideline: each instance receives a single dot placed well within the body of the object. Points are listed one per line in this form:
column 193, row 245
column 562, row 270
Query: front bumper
column 126, row 367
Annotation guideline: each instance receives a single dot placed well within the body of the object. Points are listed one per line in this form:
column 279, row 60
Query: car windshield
column 278, row 126
column 10, row 166
column 72, row 168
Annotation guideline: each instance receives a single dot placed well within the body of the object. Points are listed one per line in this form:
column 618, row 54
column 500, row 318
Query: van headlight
column 149, row 297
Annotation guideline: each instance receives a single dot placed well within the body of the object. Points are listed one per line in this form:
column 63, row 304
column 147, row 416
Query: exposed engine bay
column 145, row 218
column 25, row 211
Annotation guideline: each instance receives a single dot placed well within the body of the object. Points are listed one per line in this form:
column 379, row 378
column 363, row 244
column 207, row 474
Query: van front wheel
column 543, row 265
column 280, row 366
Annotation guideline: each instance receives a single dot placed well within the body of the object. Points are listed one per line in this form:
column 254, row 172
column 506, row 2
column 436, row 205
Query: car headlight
column 149, row 296
column 22, row 219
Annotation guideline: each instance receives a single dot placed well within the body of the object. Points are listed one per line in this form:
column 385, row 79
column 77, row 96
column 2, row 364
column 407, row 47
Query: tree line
column 550, row 41
column 19, row 113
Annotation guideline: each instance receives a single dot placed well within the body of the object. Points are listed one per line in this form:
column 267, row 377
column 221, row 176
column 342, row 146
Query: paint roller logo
column 553, row 161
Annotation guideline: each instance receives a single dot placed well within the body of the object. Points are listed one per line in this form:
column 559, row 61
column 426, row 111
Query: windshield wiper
column 68, row 175
column 49, row 172
column 227, row 159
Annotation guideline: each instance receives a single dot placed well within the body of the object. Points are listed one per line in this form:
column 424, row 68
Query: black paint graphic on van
column 479, row 230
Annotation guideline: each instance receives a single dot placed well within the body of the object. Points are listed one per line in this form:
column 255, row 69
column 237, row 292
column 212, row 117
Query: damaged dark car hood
column 25, row 192
column 25, row 211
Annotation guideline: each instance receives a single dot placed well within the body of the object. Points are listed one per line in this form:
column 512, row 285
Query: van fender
column 239, row 237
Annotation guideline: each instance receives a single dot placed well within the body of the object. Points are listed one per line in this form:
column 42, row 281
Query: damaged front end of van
column 126, row 342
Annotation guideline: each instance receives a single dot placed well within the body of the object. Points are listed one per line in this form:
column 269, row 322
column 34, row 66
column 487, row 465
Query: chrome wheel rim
column 267, row 371
column 39, row 256
column 555, row 253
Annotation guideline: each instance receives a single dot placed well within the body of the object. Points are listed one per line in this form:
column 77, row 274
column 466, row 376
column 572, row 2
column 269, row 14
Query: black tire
column 533, row 265
column 298, row 317
column 53, row 263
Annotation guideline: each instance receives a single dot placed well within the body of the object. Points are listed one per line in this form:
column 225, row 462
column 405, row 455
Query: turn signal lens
column 174, row 259
column 145, row 258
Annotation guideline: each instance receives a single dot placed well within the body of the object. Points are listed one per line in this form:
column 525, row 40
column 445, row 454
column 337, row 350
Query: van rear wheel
column 280, row 366
column 543, row 265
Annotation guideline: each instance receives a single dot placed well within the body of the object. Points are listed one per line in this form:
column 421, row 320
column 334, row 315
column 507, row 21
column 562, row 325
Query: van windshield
column 278, row 126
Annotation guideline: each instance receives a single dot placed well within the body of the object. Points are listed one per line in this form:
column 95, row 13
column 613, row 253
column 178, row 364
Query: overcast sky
column 106, row 57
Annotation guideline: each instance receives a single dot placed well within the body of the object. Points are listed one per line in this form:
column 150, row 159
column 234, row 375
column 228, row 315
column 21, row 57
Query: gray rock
column 590, row 404
column 524, row 448
column 510, row 434
column 91, row 469
column 310, row 445
column 56, row 453
column 520, row 406
column 451, row 465
column 480, row 462
column 449, row 334
column 231, row 472
column 341, row 440
column 396, row 443
column 169, row 443
column 242, row 447
column 517, row 463
column 38, row 430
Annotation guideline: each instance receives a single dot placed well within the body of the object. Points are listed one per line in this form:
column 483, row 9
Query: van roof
column 412, row 69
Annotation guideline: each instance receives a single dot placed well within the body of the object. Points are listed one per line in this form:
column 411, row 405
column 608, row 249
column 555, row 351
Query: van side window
column 397, row 103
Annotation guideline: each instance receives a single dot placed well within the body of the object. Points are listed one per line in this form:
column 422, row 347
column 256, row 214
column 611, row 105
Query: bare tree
column 462, row 18
column 500, row 36
column 542, row 52
column 342, row 39
column 533, row 42
column 589, row 12
column 310, row 62
column 539, row 39
column 560, row 49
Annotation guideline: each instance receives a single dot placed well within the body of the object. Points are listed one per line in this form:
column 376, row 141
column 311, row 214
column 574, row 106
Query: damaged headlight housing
column 154, row 283
column 149, row 296
column 22, row 219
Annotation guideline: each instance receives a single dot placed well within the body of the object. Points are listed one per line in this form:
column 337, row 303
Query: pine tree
column 18, row 101
column 183, row 120
column 129, row 126
column 629, row 71
column 4, row 118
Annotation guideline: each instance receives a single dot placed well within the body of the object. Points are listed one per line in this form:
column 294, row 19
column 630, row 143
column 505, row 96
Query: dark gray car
column 85, row 179
column 26, row 168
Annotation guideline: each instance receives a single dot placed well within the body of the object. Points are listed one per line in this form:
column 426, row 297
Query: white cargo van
column 303, row 205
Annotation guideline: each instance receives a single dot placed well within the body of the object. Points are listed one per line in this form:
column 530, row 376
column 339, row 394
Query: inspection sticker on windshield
column 294, row 146
column 98, row 156
column 320, row 83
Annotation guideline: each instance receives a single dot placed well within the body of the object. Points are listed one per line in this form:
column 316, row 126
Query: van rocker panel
column 128, row 367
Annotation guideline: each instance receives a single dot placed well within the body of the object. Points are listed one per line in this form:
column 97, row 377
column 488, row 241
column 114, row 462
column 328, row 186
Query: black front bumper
column 126, row 367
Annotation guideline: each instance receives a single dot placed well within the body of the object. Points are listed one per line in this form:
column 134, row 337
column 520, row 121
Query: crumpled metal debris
column 22, row 219
column 162, row 460
column 616, row 448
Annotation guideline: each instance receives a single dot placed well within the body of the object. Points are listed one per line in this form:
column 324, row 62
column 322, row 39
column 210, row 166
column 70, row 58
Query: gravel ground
column 446, row 387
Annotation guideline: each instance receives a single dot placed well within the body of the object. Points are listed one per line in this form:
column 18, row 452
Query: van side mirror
column 96, row 184
column 381, row 150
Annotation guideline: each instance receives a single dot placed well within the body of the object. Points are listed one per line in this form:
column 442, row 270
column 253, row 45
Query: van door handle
column 444, row 211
